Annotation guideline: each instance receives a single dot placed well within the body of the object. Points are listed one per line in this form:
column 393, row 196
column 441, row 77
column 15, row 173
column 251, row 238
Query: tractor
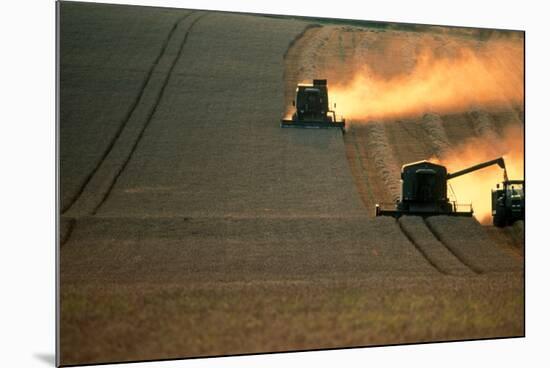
column 508, row 202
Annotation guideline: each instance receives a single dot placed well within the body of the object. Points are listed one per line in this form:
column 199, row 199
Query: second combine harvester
column 424, row 190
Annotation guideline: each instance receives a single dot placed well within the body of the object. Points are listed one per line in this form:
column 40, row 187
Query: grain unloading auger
column 424, row 190
column 312, row 108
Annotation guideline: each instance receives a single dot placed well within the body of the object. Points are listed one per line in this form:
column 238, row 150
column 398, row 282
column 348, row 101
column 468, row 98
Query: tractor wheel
column 499, row 219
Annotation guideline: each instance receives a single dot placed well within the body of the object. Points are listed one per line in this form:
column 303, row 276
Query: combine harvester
column 312, row 108
column 424, row 190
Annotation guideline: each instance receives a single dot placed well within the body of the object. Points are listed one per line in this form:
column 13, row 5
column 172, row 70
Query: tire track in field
column 470, row 243
column 127, row 117
column 152, row 113
column 101, row 183
column 66, row 227
column 431, row 247
column 418, row 247
column 458, row 256
column 299, row 37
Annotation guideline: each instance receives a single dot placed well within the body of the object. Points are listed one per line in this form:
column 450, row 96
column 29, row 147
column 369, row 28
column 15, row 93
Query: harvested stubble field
column 193, row 225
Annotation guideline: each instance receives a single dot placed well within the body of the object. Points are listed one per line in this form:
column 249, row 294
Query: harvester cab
column 312, row 108
column 508, row 202
column 424, row 190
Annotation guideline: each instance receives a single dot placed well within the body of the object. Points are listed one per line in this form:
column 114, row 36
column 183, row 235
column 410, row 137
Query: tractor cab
column 508, row 202
column 515, row 191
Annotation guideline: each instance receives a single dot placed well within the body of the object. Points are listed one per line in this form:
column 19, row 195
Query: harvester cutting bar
column 313, row 124
column 396, row 213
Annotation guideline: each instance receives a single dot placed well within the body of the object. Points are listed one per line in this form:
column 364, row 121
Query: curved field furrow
column 300, row 53
column 431, row 247
column 103, row 179
column 437, row 135
column 127, row 118
column 368, row 157
column 99, row 73
column 375, row 142
column 470, row 243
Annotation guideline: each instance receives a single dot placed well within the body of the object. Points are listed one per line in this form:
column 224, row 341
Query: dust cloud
column 488, row 74
column 475, row 188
